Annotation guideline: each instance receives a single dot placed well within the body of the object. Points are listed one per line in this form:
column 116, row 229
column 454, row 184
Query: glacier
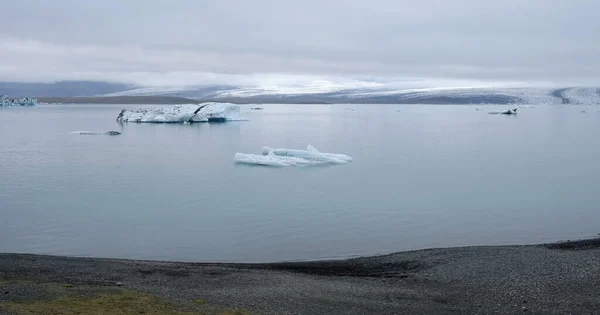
column 291, row 157
column 205, row 112
column 386, row 93
column 582, row 96
column 5, row 101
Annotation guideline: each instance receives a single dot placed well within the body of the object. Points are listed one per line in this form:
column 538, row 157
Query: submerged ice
column 206, row 112
column 291, row 157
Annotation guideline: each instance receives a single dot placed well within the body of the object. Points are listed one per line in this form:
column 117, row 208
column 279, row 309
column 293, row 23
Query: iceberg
column 206, row 112
column 291, row 157
column 5, row 101
column 96, row 133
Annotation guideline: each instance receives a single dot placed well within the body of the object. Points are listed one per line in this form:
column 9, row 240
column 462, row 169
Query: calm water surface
column 422, row 176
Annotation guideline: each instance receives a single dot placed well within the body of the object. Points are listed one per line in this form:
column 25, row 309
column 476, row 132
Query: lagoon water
column 423, row 176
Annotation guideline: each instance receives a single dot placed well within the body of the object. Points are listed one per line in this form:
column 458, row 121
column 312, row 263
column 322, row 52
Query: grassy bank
column 30, row 297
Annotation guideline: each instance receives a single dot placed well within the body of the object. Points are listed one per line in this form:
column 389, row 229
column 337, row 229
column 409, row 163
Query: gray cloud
column 208, row 42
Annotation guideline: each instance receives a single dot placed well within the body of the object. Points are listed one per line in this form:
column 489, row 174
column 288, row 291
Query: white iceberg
column 5, row 101
column 291, row 157
column 206, row 112
column 96, row 133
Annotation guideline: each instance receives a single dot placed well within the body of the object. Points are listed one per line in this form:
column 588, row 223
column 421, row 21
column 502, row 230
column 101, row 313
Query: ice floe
column 291, row 157
column 206, row 112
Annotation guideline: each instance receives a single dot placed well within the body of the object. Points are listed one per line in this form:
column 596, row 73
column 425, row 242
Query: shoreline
column 578, row 244
column 556, row 278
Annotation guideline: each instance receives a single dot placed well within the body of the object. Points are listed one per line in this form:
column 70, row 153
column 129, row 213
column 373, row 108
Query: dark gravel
column 541, row 279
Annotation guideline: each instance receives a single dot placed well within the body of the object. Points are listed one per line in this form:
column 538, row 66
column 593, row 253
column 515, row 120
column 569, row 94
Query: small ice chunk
column 506, row 112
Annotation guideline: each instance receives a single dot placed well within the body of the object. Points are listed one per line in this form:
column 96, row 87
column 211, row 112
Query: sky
column 410, row 43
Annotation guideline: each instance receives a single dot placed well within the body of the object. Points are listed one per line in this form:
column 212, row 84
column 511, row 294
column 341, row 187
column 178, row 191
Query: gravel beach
column 562, row 278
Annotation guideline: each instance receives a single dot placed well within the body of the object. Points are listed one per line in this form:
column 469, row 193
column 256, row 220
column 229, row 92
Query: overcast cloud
column 262, row 42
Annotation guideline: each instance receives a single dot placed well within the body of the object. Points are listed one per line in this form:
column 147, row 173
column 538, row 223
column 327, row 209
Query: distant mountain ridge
column 236, row 94
column 62, row 88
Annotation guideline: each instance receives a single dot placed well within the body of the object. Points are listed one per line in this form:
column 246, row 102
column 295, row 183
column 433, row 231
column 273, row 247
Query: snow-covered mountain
column 61, row 88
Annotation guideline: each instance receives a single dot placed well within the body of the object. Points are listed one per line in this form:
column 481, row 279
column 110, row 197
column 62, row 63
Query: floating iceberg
column 5, row 101
column 291, row 157
column 96, row 133
column 206, row 112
